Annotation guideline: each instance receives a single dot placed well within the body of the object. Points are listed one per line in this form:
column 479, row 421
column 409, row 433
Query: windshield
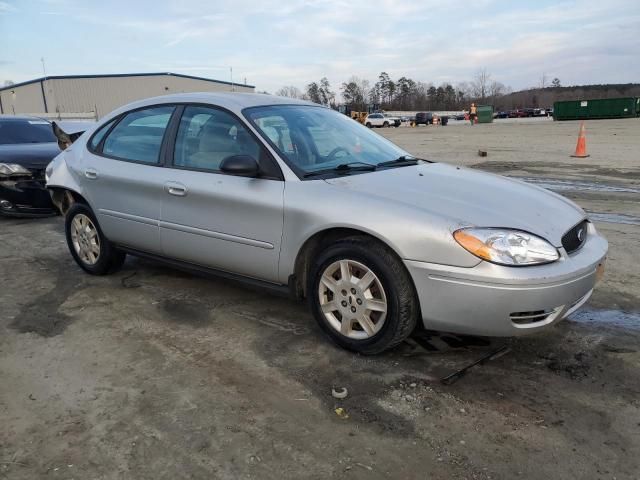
column 25, row 131
column 313, row 139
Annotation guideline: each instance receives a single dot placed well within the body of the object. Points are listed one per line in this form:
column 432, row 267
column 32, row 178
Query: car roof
column 20, row 118
column 235, row 102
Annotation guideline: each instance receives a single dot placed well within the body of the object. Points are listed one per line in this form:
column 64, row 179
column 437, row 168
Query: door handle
column 176, row 189
column 91, row 173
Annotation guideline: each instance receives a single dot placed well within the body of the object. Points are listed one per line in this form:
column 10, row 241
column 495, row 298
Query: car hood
column 466, row 197
column 29, row 155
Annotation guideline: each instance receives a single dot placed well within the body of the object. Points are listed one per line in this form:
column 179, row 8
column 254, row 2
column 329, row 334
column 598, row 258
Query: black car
column 425, row 118
column 27, row 145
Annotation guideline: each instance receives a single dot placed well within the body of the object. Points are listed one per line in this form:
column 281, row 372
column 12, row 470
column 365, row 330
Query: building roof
column 154, row 74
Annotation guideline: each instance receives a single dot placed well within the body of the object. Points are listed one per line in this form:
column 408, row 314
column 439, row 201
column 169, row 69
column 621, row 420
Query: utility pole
column 231, row 73
column 44, row 70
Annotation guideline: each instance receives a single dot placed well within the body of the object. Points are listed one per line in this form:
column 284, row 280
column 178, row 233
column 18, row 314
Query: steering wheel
column 335, row 151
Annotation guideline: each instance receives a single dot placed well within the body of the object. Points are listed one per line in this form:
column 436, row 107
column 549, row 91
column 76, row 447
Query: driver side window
column 206, row 136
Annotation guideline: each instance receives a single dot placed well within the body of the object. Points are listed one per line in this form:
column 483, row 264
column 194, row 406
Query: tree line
column 401, row 94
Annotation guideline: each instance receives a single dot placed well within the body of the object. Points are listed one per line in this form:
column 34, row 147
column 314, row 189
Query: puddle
column 614, row 318
column 577, row 185
column 619, row 218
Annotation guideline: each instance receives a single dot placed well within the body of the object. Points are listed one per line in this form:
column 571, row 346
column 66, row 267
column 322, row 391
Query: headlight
column 506, row 247
column 11, row 169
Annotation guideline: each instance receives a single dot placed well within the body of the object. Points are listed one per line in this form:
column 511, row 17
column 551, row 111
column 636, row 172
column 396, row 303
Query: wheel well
column 314, row 245
column 63, row 199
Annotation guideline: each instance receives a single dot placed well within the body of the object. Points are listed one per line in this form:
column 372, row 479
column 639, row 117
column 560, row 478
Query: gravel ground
column 156, row 374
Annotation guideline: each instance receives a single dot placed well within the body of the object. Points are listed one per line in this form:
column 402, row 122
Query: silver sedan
column 294, row 196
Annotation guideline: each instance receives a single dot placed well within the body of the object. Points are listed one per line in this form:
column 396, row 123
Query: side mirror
column 241, row 165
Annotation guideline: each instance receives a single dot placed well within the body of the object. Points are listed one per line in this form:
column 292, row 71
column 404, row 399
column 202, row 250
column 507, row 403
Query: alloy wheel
column 85, row 239
column 352, row 299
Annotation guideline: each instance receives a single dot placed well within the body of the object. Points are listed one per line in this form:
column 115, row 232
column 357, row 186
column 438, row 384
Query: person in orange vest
column 473, row 113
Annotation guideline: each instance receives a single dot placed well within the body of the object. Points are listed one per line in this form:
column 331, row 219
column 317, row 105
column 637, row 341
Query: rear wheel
column 362, row 296
column 385, row 124
column 88, row 246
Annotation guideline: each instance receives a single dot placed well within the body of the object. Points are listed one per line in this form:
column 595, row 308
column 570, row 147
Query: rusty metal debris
column 455, row 376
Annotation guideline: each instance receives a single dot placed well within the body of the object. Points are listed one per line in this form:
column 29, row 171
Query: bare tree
column 480, row 84
column 8, row 83
column 290, row 91
column 556, row 82
column 355, row 92
column 496, row 89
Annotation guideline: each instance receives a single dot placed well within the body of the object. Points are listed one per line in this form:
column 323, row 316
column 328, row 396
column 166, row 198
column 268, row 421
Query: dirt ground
column 156, row 374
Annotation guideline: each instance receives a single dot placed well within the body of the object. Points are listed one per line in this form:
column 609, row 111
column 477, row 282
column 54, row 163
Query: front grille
column 575, row 238
column 38, row 173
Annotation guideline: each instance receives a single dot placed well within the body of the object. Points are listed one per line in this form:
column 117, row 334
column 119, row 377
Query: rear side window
column 138, row 136
column 99, row 135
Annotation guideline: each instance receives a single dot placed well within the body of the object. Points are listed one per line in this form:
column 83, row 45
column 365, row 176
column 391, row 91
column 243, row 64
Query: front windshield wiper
column 400, row 162
column 344, row 168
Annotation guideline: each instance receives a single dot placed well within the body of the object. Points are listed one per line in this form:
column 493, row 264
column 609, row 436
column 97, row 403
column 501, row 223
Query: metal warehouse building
column 92, row 96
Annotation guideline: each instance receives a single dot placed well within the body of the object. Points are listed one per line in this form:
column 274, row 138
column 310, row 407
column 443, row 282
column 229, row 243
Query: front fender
column 311, row 207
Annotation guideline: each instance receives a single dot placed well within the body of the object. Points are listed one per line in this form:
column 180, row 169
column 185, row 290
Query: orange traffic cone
column 581, row 147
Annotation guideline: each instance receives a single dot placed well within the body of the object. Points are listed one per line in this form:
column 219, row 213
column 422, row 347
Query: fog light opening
column 6, row 205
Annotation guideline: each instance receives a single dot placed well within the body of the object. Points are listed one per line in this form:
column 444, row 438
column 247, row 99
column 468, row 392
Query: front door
column 124, row 179
column 210, row 218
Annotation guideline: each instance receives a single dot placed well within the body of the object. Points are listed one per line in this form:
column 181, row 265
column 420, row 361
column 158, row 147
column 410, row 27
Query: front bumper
column 25, row 198
column 495, row 300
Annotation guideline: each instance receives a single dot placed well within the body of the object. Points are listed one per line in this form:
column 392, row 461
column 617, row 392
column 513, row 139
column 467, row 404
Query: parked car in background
column 381, row 120
column 460, row 116
column 27, row 145
column 424, row 118
column 394, row 120
column 517, row 114
column 501, row 114
column 299, row 198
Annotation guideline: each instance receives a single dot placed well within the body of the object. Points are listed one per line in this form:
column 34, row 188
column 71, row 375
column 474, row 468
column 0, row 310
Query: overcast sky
column 293, row 42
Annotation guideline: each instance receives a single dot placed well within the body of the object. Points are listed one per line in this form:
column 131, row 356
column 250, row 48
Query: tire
column 91, row 250
column 391, row 287
column 368, row 124
column 385, row 124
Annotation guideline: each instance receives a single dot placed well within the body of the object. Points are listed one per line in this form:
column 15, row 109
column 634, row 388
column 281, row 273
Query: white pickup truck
column 382, row 120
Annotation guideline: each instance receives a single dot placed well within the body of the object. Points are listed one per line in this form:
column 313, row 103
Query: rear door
column 124, row 179
column 210, row 218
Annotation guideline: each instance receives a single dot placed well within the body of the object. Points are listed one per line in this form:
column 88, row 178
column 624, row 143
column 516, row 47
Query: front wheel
column 368, row 125
column 362, row 296
column 88, row 246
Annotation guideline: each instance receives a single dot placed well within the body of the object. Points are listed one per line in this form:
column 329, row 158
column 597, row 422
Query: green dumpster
column 598, row 108
column 485, row 114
